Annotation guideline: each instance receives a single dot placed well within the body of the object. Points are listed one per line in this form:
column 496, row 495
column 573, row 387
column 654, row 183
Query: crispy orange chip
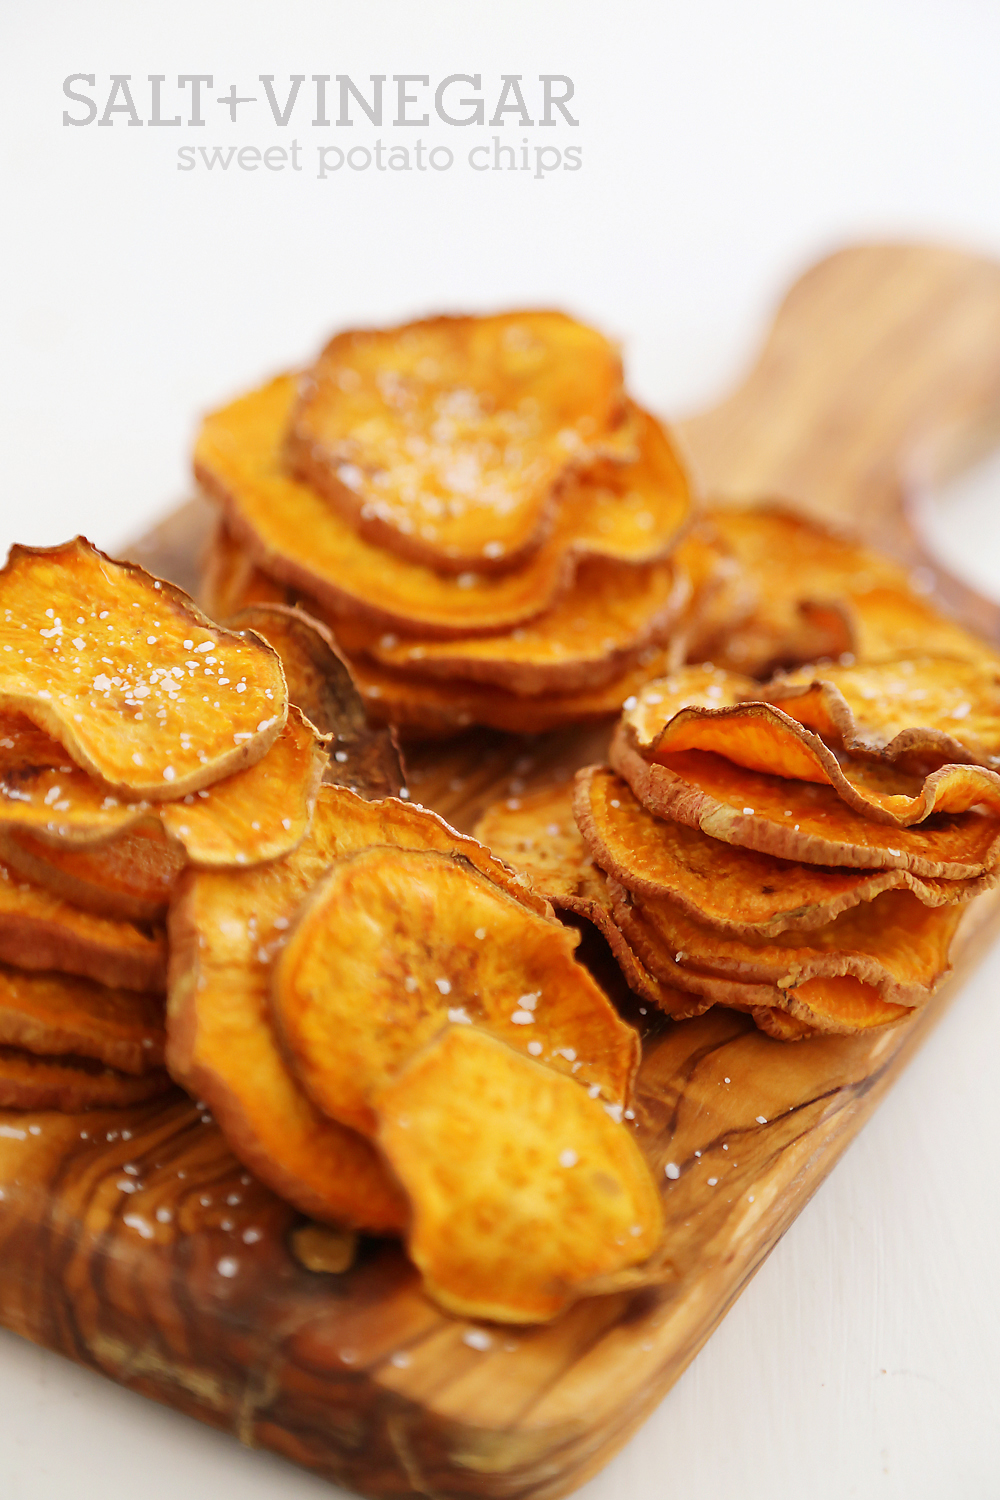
column 258, row 813
column 444, row 440
column 225, row 931
column 39, row 930
column 287, row 530
column 722, row 596
column 124, row 672
column 733, row 889
column 890, row 621
column 129, row 877
column 71, row 1084
column 661, row 698
column 597, row 630
column 893, row 943
column 436, row 709
column 320, row 684
column 806, row 575
column 842, row 1005
column 432, row 941
column 537, row 834
column 802, row 820
column 931, row 706
column 523, row 1190
column 762, row 737
column 230, row 580
column 54, row 1014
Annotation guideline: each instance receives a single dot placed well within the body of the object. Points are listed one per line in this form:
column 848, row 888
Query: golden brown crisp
column 393, row 944
column 55, row 1014
column 71, row 1084
column 523, row 1190
column 129, row 877
column 139, row 687
column 445, row 440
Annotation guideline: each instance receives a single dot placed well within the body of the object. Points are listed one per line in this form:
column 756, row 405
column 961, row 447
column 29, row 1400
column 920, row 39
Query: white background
column 725, row 146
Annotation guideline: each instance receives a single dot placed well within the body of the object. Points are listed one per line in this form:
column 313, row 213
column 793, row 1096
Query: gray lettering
column 551, row 101
column 90, row 78
column 195, row 80
column 282, row 117
column 374, row 112
column 120, row 85
column 156, row 79
column 478, row 114
column 403, row 98
column 511, row 85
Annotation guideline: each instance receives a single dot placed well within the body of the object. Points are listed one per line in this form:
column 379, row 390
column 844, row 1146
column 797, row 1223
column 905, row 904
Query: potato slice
column 523, row 1189
column 537, row 834
column 230, row 580
column 290, row 533
column 256, row 814
column 130, row 877
column 39, row 930
column 320, row 684
column 722, row 595
column 432, row 941
column 661, row 698
column 893, row 943
column 798, row 562
column 226, row 928
column 596, row 631
column 735, row 890
column 934, row 707
column 762, row 737
column 71, row 1084
column 54, row 1014
column 113, row 663
column 444, row 440
column 434, row 709
column 802, row 820
column 841, row 1005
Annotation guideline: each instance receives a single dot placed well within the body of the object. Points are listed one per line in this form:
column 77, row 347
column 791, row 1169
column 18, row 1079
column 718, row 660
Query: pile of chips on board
column 802, row 850
column 496, row 533
column 137, row 739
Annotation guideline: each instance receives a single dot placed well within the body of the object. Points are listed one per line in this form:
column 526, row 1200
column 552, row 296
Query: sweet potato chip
column 594, row 632
column 807, row 576
column 893, row 943
column 225, row 930
column 523, row 1189
column 802, row 820
column 939, row 708
column 835, row 1004
column 71, row 1084
column 444, row 440
column 733, row 889
column 230, row 580
column 129, row 877
column 842, row 1005
column 55, row 1014
column 892, row 621
column 762, row 737
column 289, row 531
column 435, row 709
column 537, row 834
column 661, row 698
column 112, row 663
column 431, row 941
column 320, row 684
column 258, row 813
column 39, row 930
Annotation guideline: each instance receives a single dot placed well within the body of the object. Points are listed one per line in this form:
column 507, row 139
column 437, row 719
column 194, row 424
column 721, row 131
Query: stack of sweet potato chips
column 136, row 738
column 796, row 849
column 467, row 521
column 494, row 530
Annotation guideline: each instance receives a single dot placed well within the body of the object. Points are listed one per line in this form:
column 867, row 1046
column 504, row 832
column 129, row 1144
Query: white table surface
column 725, row 146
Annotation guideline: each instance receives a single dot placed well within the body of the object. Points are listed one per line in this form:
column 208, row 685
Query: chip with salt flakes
column 445, row 440
column 129, row 676
column 56, row 1014
column 72, row 1084
column 432, row 941
column 803, row 820
column 523, row 1189
column 939, row 708
column 736, row 890
column 257, row 813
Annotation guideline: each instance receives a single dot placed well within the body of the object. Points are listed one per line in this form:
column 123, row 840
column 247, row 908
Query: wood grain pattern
column 133, row 1242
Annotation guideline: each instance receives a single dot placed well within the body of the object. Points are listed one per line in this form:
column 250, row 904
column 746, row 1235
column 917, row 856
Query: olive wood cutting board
column 133, row 1242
